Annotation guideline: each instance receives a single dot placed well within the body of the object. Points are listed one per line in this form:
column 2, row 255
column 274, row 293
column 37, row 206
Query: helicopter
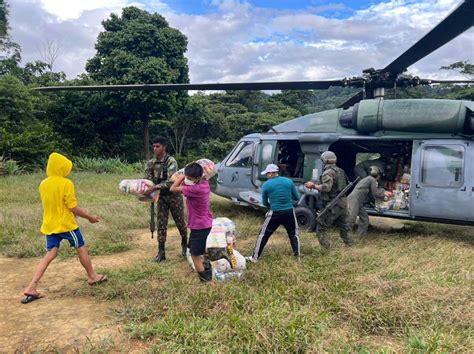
column 426, row 145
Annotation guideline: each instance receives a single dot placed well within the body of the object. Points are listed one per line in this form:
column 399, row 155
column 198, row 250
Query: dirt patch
column 60, row 322
column 63, row 323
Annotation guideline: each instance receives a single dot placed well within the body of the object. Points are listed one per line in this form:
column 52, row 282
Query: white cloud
column 239, row 42
column 68, row 10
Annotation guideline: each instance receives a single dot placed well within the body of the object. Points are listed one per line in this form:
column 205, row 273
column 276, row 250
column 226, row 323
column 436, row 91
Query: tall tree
column 140, row 47
column 49, row 52
column 3, row 20
column 463, row 67
column 23, row 137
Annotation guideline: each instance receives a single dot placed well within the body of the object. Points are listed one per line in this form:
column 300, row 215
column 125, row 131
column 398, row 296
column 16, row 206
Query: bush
column 9, row 167
column 103, row 165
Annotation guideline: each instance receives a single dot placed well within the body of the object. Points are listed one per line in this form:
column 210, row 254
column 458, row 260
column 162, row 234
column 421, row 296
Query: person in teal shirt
column 278, row 194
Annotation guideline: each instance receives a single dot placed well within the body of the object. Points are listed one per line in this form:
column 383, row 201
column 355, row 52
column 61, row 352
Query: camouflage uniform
column 367, row 190
column 388, row 167
column 168, row 201
column 333, row 181
column 362, row 168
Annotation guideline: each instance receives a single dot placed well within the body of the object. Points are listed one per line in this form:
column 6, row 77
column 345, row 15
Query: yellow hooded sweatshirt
column 58, row 196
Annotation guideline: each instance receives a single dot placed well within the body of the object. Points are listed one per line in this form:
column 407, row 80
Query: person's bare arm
column 176, row 186
column 312, row 185
column 84, row 214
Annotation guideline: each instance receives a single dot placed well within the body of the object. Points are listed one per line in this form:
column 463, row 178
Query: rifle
column 152, row 218
column 336, row 199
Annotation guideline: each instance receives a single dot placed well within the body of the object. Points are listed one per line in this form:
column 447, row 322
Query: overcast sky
column 260, row 40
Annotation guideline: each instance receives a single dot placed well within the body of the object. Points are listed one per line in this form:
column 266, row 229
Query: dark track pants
column 273, row 219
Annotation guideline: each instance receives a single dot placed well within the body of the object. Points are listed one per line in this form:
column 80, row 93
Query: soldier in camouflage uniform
column 367, row 190
column 333, row 180
column 159, row 170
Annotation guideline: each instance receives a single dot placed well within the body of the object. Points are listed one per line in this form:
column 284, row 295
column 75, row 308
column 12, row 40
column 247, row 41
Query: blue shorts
column 74, row 237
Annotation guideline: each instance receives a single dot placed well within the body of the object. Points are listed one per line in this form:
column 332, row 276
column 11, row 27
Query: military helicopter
column 426, row 146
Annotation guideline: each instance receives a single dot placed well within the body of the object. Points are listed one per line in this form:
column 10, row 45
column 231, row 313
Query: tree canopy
column 140, row 47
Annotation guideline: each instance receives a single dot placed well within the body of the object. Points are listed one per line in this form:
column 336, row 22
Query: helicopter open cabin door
column 286, row 154
column 442, row 183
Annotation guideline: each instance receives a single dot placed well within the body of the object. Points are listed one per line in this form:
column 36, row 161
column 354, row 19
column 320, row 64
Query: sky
column 254, row 40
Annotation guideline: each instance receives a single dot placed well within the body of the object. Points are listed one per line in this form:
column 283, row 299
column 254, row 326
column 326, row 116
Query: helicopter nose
column 213, row 183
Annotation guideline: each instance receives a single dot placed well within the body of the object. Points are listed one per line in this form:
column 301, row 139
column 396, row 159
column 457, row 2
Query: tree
column 3, row 21
column 465, row 92
column 140, row 47
column 462, row 67
column 22, row 136
column 49, row 53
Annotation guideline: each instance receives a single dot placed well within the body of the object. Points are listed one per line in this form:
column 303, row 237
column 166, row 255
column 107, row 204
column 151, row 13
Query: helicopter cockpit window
column 242, row 155
column 443, row 166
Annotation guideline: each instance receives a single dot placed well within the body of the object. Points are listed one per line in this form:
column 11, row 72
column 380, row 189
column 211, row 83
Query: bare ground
column 58, row 322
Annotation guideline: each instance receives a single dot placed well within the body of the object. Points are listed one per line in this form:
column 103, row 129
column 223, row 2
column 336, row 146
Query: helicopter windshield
column 242, row 155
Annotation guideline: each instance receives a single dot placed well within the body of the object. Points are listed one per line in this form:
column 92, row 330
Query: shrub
column 9, row 167
column 103, row 165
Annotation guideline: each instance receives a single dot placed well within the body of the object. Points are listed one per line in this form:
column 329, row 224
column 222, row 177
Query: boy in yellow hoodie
column 59, row 222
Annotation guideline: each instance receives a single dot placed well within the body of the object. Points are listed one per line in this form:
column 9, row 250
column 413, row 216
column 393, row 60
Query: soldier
column 333, row 180
column 367, row 190
column 159, row 170
column 361, row 170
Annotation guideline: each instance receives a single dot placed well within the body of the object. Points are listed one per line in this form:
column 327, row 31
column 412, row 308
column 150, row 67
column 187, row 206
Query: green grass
column 407, row 290
column 21, row 214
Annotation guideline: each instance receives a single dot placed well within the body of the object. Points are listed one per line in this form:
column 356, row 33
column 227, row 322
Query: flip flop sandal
column 102, row 279
column 30, row 298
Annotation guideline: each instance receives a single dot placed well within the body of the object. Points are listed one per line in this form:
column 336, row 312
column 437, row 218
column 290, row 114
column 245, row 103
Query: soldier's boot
column 160, row 257
column 184, row 246
column 323, row 241
column 346, row 239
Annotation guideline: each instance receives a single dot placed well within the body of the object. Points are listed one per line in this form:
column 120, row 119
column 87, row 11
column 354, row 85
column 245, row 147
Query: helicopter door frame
column 235, row 171
column 442, row 180
column 266, row 155
column 268, row 152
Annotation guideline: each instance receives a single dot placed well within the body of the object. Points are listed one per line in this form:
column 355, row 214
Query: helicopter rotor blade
column 449, row 81
column 359, row 96
column 289, row 85
column 458, row 21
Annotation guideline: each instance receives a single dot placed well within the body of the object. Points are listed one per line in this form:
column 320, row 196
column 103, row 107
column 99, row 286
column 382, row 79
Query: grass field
column 397, row 290
column 21, row 214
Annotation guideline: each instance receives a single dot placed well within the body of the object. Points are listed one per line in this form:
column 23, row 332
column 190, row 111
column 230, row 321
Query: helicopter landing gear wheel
column 306, row 219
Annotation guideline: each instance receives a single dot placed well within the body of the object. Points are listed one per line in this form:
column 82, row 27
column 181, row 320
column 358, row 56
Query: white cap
column 270, row 168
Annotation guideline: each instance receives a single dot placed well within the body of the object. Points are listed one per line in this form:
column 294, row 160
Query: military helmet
column 328, row 157
column 374, row 171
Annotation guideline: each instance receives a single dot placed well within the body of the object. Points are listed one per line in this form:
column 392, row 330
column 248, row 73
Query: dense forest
column 141, row 47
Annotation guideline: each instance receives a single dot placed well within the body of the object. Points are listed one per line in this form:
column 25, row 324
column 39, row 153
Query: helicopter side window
column 443, row 166
column 242, row 156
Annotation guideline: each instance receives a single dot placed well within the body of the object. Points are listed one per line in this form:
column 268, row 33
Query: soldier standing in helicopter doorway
column 367, row 190
column 333, row 180
column 159, row 170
